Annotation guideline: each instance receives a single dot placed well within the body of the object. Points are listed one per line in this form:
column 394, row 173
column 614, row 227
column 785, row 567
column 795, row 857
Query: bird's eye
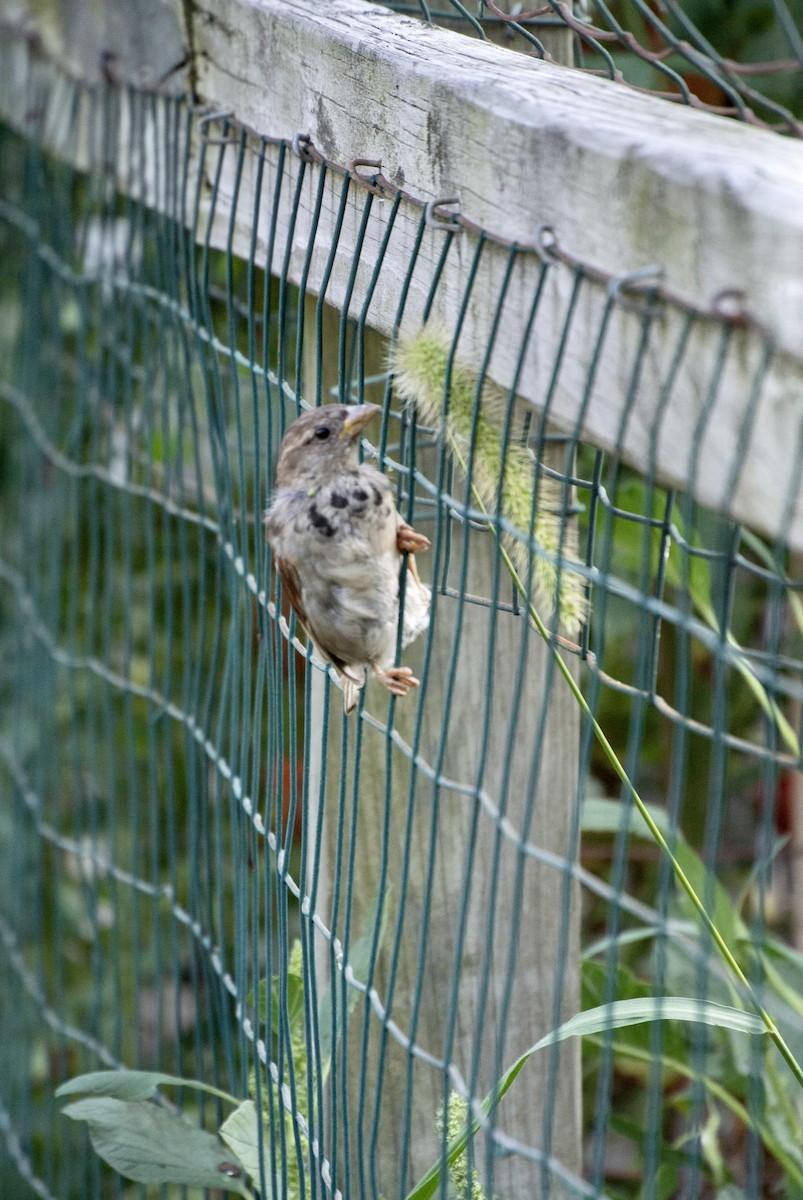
column 322, row 432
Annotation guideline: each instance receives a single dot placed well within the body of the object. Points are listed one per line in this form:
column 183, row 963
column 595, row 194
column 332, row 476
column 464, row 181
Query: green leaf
column 629, row 937
column 148, row 1144
column 601, row 815
column 124, row 1085
column 241, row 1133
column 133, row 1085
column 596, row 992
column 711, row 1148
column 294, row 990
column 650, row 1008
column 783, row 968
column 295, row 998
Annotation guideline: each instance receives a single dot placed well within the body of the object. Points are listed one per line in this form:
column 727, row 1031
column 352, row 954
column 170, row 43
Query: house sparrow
column 338, row 539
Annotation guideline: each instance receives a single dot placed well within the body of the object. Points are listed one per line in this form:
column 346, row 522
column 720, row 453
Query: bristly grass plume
column 464, row 1178
column 419, row 363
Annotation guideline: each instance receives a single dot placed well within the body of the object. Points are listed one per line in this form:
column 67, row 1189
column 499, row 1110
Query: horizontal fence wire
column 210, row 871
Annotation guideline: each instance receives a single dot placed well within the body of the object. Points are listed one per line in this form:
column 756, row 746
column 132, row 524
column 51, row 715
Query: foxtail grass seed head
column 465, row 1180
column 420, row 363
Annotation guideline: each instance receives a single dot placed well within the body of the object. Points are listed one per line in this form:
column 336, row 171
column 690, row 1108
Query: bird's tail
column 353, row 683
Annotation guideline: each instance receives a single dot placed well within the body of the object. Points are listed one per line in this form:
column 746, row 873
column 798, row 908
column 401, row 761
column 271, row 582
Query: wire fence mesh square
column 210, row 872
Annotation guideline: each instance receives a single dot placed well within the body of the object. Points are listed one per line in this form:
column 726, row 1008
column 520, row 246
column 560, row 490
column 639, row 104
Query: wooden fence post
column 478, row 935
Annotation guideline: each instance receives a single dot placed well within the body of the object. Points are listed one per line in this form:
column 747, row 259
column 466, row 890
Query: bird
column 338, row 542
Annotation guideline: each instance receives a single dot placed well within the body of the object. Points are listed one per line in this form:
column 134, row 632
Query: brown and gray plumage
column 337, row 540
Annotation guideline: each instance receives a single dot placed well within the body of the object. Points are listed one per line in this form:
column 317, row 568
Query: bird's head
column 322, row 443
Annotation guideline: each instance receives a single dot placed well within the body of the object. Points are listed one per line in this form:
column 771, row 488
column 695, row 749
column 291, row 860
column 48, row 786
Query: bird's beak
column 358, row 417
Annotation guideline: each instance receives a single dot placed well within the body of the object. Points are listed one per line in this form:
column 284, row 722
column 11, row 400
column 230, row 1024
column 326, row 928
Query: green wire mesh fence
column 742, row 60
column 211, row 874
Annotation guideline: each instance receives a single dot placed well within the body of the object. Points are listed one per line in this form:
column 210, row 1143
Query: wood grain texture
column 715, row 201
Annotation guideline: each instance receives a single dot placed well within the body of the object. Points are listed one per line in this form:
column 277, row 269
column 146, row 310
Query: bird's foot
column 408, row 541
column 397, row 680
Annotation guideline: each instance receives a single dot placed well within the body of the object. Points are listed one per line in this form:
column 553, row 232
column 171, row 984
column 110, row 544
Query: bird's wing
column 291, row 588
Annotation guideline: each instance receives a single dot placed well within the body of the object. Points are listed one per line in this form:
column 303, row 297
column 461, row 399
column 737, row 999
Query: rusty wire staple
column 545, row 243
column 302, row 147
column 225, row 114
column 451, row 223
column 643, row 280
column 728, row 305
column 376, row 182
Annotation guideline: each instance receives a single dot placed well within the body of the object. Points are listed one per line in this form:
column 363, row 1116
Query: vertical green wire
column 121, row 589
column 642, row 673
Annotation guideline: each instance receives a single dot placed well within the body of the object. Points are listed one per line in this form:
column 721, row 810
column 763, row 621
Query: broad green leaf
column 594, row 1021
column 783, row 1114
column 785, row 953
column 133, row 1085
column 767, row 704
column 785, row 978
column 148, row 1144
column 241, row 1133
column 294, row 992
column 261, row 1001
column 124, row 1085
column 295, row 1000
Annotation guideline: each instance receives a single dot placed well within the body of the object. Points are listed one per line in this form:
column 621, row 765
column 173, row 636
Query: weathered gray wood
column 455, row 886
column 625, row 179
column 141, row 41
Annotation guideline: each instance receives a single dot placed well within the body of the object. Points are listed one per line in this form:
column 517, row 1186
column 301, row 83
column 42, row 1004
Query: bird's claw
column 398, row 680
column 408, row 541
